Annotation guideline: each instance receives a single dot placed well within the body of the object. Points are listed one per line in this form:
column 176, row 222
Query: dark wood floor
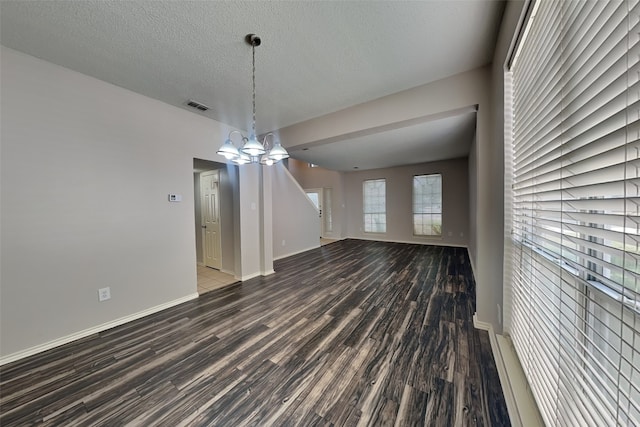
column 352, row 333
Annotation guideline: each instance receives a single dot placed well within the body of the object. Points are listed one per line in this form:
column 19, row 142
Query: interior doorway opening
column 210, row 218
column 214, row 223
column 321, row 198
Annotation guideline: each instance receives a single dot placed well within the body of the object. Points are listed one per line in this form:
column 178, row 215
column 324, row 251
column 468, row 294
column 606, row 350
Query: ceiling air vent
column 198, row 106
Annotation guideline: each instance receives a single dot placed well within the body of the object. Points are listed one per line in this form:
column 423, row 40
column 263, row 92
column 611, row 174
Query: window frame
column 571, row 265
column 413, row 207
column 374, row 214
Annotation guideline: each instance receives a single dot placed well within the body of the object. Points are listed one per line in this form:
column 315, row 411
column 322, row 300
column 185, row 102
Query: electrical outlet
column 104, row 294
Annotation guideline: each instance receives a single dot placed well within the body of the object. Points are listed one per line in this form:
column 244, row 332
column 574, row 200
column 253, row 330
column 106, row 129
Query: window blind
column 574, row 267
column 427, row 205
column 374, row 205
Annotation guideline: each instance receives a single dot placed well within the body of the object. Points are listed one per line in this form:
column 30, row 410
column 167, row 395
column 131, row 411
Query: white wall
column 85, row 173
column 266, row 220
column 295, row 218
column 248, row 261
column 472, row 88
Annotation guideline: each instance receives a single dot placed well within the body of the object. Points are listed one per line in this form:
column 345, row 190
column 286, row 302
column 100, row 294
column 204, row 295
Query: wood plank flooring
column 352, row 333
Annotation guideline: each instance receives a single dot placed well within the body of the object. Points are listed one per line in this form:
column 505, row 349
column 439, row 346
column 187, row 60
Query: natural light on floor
column 210, row 279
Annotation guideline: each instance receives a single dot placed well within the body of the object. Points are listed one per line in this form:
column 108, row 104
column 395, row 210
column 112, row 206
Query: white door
column 315, row 194
column 209, row 191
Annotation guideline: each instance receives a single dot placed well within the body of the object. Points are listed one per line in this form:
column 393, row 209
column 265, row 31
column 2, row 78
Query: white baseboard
column 521, row 405
column 253, row 275
column 479, row 324
column 94, row 330
column 434, row 242
column 297, row 252
column 248, row 276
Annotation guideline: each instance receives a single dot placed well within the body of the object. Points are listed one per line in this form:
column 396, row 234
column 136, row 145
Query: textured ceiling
column 316, row 57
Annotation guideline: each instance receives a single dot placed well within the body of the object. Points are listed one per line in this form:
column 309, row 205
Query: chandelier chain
column 253, row 151
column 253, row 80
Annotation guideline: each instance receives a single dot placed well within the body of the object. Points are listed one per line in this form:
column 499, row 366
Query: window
column 374, row 207
column 427, row 205
column 327, row 214
column 574, row 258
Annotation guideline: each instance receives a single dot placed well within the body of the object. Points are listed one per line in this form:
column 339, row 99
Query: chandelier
column 253, row 151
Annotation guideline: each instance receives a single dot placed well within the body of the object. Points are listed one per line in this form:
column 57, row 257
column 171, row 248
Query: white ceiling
column 316, row 57
column 430, row 140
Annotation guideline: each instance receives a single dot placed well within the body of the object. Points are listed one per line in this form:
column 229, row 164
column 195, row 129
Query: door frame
column 203, row 211
column 320, row 192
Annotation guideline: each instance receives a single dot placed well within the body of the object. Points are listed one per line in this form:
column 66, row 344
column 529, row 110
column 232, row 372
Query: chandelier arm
column 265, row 142
column 233, row 132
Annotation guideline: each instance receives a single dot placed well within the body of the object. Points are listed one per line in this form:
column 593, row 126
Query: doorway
column 321, row 198
column 214, row 224
column 315, row 195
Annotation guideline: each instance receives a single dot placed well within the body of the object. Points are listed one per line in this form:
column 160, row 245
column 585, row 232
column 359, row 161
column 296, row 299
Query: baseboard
column 296, row 252
column 521, row 405
column 428, row 243
column 248, row 276
column 479, row 324
column 94, row 330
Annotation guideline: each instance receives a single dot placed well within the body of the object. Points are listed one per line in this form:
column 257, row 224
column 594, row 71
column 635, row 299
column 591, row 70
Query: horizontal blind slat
column 575, row 203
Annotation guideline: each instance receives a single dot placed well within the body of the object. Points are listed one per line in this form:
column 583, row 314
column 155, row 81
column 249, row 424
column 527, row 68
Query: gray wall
column 296, row 225
column 309, row 177
column 228, row 188
column 399, row 195
column 472, row 88
column 510, row 21
column 84, row 193
column 473, row 201
column 84, row 203
column 198, row 217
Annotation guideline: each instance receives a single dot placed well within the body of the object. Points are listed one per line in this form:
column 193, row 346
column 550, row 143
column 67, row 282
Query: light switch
column 175, row 197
